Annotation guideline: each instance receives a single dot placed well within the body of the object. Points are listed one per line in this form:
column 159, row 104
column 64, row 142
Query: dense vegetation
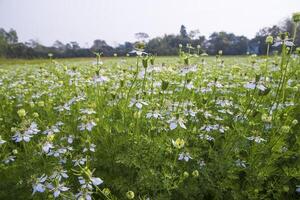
column 229, row 43
column 188, row 128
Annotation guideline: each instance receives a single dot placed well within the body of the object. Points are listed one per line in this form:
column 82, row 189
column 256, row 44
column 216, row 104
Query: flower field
column 187, row 127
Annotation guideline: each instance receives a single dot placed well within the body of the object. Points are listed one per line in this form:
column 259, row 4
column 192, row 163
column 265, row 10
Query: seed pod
column 296, row 17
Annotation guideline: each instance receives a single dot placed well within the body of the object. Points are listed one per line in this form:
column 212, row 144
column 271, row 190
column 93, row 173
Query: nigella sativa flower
column 256, row 139
column 39, row 185
column 174, row 122
column 87, row 126
column 184, row 156
column 206, row 137
column 139, row 103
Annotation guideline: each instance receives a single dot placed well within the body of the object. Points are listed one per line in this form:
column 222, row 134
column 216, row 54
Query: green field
column 187, row 127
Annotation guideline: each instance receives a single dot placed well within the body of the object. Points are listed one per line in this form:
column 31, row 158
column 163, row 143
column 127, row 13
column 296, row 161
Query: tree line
column 229, row 43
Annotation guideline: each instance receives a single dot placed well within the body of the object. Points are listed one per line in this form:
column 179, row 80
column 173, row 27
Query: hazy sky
column 116, row 21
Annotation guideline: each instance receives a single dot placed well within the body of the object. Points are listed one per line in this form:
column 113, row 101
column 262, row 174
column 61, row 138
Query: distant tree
column 98, row 44
column 194, row 34
column 141, row 36
column 75, row 45
column 183, row 32
column 59, row 45
column 229, row 43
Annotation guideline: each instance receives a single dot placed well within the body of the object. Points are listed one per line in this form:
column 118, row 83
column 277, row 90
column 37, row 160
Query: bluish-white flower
column 39, row 185
column 139, row 103
column 47, row 146
column 174, row 122
column 59, row 175
column 2, row 141
column 57, row 189
column 184, row 156
column 256, row 139
column 206, row 137
column 91, row 148
column 87, row 111
column 9, row 159
column 87, row 126
column 80, row 161
column 19, row 137
column 96, row 181
column 240, row 163
column 154, row 114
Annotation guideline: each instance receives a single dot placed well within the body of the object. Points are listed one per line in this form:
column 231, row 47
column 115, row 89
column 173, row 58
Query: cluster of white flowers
column 27, row 134
column 52, row 183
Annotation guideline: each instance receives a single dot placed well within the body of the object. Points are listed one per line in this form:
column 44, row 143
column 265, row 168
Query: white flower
column 96, row 181
column 59, row 175
column 100, row 79
column 250, row 85
column 201, row 163
column 84, row 195
column 39, row 184
column 184, row 156
column 9, row 159
column 70, row 139
column 206, row 137
column 87, row 111
column 91, row 148
column 240, row 163
column 137, row 103
column 79, row 161
column 154, row 114
column 19, row 137
column 256, row 139
column 88, row 126
column 58, row 189
column 47, row 146
column 2, row 141
column 33, row 129
column 174, row 123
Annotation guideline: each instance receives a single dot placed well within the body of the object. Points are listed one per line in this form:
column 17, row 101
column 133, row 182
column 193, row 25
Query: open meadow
column 187, row 127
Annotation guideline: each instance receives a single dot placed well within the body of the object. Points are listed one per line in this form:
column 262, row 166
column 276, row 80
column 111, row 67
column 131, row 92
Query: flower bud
column 106, row 191
column 285, row 129
column 145, row 62
column 35, row 114
column 269, row 39
column 195, row 173
column 41, row 103
column 130, row 195
column 21, row 113
column 296, row 17
column 185, row 174
column 295, row 122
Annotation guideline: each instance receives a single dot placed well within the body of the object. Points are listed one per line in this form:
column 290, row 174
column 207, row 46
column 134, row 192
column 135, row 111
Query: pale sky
column 116, row 21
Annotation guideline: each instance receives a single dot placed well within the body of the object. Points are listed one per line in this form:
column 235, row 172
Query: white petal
column 96, row 181
column 173, row 125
